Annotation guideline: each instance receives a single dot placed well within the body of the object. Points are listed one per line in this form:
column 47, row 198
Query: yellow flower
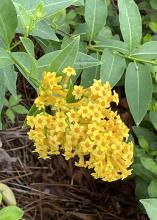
column 97, row 88
column 73, row 116
column 69, row 71
column 88, row 128
column 78, row 92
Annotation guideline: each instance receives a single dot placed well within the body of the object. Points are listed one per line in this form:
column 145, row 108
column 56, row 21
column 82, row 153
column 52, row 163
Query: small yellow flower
column 78, row 92
column 73, row 116
column 96, row 88
column 69, row 71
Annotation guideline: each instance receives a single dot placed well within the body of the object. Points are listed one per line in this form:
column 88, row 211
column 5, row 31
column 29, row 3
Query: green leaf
column 14, row 100
column 153, row 118
column 141, row 188
column 27, row 66
column 143, row 173
column 82, row 61
column 11, row 213
column 116, row 45
column 5, row 59
column 10, row 77
column 50, row 7
column 130, row 23
column 153, row 4
column 7, row 24
column 85, row 61
column 143, row 143
column 153, row 26
column 20, row 109
column 79, row 3
column 10, row 115
column 112, row 68
column 43, row 30
column 147, row 51
column 28, row 45
column 146, row 133
column 65, row 57
column 95, row 16
column 149, row 164
column 89, row 74
column 25, row 19
column 45, row 61
column 151, row 207
column 152, row 189
column 138, row 88
column 2, row 93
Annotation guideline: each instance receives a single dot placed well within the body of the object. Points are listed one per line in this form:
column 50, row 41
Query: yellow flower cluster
column 85, row 129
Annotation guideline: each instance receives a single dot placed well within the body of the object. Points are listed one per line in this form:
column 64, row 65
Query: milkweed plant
column 83, row 126
column 73, row 53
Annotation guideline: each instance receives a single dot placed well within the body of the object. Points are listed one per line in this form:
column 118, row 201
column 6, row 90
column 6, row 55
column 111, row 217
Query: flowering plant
column 84, row 127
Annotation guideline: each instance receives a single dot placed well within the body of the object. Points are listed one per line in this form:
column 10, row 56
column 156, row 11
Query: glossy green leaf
column 11, row 213
column 152, row 189
column 112, row 67
column 138, row 88
column 8, row 21
column 115, row 45
column 65, row 57
column 28, row 45
column 146, row 51
column 95, row 16
column 130, row 23
column 151, row 207
column 5, row 59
